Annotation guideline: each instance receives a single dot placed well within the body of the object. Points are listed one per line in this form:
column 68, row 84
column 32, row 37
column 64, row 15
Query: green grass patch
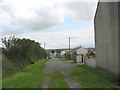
column 57, row 80
column 92, row 78
column 31, row 77
column 67, row 60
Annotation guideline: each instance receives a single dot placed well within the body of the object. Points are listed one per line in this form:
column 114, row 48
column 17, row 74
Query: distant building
column 107, row 36
column 54, row 54
column 63, row 53
column 81, row 52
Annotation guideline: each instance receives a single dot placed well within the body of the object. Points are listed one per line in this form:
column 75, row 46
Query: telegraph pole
column 69, row 45
column 44, row 45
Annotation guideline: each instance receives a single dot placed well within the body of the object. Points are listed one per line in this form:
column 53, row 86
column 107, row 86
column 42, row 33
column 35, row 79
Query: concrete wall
column 90, row 62
column 119, row 41
column 106, row 36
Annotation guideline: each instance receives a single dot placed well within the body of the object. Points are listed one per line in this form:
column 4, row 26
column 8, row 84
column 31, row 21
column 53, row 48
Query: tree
column 22, row 51
column 92, row 54
column 58, row 50
column 52, row 51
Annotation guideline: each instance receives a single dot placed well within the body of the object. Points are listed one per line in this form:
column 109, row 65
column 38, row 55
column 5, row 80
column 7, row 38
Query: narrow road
column 64, row 68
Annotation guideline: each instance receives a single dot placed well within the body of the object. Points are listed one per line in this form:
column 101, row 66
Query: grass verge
column 67, row 60
column 32, row 77
column 57, row 80
column 92, row 78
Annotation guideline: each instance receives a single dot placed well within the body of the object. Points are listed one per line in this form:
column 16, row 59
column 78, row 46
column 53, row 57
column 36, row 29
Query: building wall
column 106, row 36
column 119, row 41
column 82, row 51
column 90, row 62
column 79, row 58
column 63, row 53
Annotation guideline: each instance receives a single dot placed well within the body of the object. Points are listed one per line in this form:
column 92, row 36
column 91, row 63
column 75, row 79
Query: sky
column 49, row 21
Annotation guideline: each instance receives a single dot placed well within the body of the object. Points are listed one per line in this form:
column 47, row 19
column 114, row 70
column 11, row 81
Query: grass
column 57, row 80
column 67, row 60
column 92, row 78
column 32, row 77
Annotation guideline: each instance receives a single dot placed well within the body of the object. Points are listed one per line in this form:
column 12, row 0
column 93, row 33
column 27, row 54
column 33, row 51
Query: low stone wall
column 90, row 62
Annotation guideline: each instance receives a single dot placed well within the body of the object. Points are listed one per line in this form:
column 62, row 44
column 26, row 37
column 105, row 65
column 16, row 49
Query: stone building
column 107, row 36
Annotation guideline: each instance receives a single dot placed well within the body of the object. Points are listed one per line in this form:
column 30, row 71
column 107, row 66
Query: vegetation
column 67, row 56
column 92, row 78
column 90, row 54
column 57, row 80
column 52, row 51
column 31, row 77
column 58, row 51
column 17, row 53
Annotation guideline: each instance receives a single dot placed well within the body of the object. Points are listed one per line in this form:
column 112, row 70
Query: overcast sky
column 49, row 21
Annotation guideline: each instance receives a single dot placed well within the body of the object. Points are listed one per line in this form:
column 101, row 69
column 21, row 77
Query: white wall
column 79, row 59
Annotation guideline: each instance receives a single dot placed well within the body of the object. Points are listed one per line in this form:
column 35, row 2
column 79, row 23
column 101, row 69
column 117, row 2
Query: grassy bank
column 57, row 80
column 92, row 78
column 31, row 77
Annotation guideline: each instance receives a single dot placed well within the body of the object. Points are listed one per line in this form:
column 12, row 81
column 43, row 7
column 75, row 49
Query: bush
column 68, row 56
column 21, row 52
column 90, row 54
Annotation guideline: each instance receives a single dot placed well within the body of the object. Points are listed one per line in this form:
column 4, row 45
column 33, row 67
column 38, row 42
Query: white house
column 63, row 53
column 81, row 52
column 54, row 54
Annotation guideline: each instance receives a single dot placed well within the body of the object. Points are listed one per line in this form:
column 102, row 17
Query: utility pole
column 44, row 45
column 69, row 45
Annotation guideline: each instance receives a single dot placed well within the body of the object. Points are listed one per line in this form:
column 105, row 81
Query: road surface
column 63, row 67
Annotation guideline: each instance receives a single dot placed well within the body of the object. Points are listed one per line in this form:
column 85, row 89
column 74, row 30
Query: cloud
column 81, row 11
column 40, row 19
column 37, row 15
column 12, row 30
column 34, row 15
column 60, row 39
column 26, row 18
column 5, row 18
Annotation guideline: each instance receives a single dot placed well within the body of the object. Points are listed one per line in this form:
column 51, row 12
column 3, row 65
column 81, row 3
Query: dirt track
column 64, row 68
